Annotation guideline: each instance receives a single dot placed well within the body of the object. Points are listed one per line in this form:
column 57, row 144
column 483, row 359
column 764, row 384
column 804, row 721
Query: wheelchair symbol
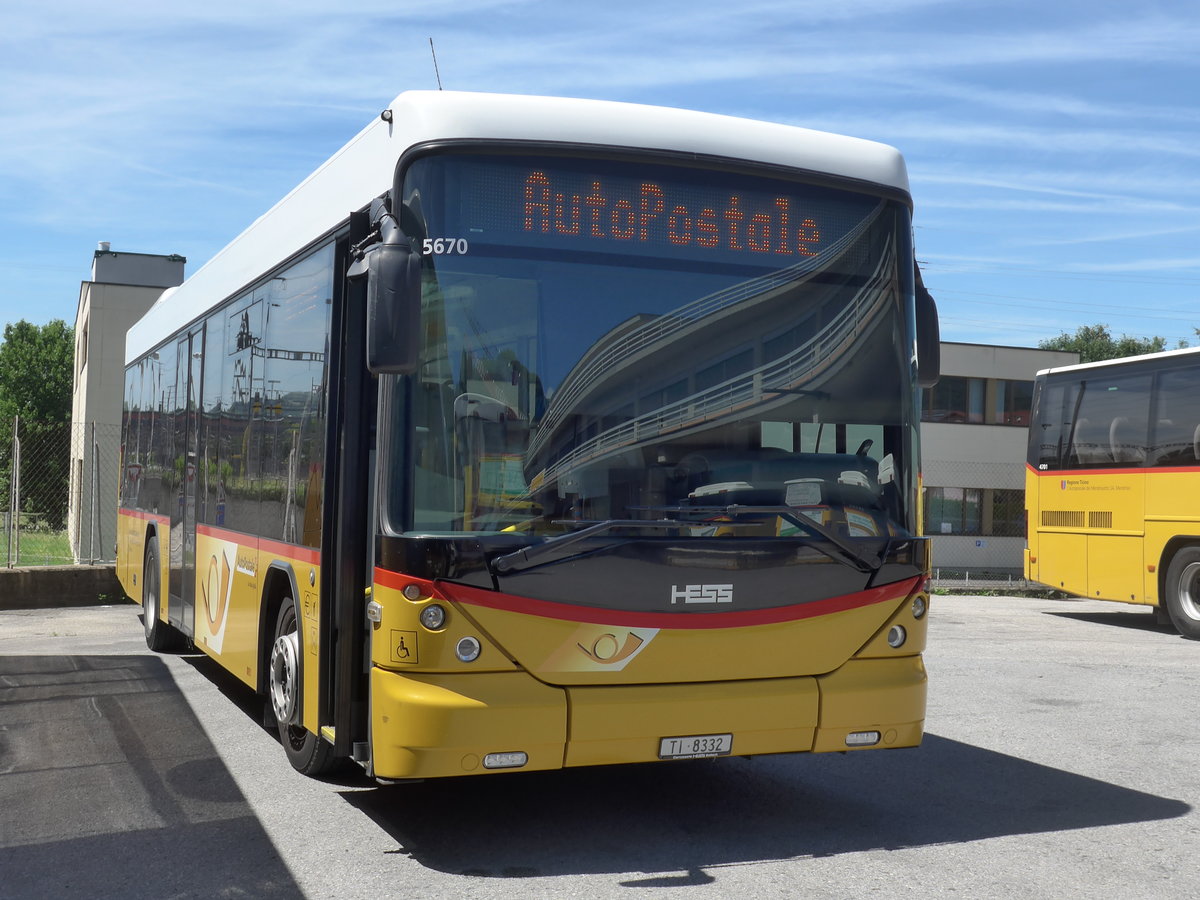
column 404, row 647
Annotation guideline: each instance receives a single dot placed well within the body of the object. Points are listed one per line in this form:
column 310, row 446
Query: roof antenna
column 435, row 65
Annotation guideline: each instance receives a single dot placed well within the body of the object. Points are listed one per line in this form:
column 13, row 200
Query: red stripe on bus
column 549, row 609
column 145, row 516
column 309, row 555
column 1079, row 473
column 394, row 580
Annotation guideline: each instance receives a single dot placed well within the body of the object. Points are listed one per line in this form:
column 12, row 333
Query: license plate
column 696, row 746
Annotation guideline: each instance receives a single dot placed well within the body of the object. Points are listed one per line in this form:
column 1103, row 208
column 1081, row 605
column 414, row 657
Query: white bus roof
column 1123, row 361
column 363, row 170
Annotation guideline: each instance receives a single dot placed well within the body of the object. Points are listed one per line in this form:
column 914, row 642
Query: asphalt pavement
column 1059, row 762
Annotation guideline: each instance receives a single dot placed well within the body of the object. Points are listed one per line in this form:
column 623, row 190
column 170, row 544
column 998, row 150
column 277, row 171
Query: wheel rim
column 150, row 600
column 285, row 668
column 1189, row 591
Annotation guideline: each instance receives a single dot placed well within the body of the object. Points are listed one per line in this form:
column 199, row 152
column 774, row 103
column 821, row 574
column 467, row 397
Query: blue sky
column 1053, row 147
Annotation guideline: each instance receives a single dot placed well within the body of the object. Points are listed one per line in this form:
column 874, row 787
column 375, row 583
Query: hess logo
column 702, row 593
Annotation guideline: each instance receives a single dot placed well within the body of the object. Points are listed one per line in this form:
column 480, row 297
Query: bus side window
column 1124, row 443
column 1176, row 431
column 1086, row 450
column 1113, row 421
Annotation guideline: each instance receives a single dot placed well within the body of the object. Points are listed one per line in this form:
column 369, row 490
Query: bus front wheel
column 307, row 753
column 1183, row 592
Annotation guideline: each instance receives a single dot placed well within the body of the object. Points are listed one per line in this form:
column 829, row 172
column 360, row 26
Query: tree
column 36, row 376
column 1094, row 343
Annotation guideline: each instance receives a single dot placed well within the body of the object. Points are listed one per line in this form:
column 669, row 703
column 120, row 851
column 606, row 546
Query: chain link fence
column 968, row 581
column 58, row 486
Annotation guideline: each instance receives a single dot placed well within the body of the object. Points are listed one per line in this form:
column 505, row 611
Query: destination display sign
column 656, row 211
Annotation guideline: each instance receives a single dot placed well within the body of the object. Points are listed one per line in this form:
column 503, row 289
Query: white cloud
column 1147, row 265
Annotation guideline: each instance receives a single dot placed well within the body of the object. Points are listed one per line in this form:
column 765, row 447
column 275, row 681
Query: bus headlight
column 919, row 607
column 897, row 636
column 433, row 617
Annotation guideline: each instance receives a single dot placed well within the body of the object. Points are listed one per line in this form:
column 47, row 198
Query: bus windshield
column 609, row 342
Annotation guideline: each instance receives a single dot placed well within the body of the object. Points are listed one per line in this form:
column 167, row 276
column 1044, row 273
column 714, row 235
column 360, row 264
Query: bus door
column 347, row 547
column 190, row 365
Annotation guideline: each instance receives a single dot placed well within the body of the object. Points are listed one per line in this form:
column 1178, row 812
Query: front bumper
column 428, row 726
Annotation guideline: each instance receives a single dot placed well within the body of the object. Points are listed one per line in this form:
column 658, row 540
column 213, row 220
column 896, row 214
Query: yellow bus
column 531, row 432
column 1112, row 487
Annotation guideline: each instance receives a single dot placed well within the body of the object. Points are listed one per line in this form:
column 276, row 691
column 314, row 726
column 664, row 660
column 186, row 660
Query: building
column 974, row 428
column 122, row 288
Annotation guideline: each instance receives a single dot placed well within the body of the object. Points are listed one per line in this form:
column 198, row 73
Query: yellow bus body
column 1110, row 534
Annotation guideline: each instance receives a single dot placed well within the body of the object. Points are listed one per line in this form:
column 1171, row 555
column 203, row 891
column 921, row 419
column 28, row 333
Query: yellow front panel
column 401, row 643
column 441, row 725
column 564, row 652
column 425, row 726
column 625, row 689
column 626, row 724
column 884, row 695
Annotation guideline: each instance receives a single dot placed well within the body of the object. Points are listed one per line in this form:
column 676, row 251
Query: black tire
column 1183, row 592
column 307, row 753
column 160, row 637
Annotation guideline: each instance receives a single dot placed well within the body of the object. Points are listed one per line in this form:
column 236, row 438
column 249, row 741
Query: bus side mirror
column 393, row 273
column 929, row 338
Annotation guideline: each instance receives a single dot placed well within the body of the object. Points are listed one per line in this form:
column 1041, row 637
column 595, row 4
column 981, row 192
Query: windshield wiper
column 528, row 557
column 845, row 553
column 849, row 553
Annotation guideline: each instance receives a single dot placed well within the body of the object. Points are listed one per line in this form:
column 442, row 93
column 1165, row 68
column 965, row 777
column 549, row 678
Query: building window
column 980, row 512
column 83, row 344
column 1014, row 399
column 1008, row 513
column 954, row 399
column 981, row 401
column 950, row 510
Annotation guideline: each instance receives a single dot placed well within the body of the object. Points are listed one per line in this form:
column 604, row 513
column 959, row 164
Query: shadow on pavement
column 694, row 816
column 1141, row 620
column 109, row 787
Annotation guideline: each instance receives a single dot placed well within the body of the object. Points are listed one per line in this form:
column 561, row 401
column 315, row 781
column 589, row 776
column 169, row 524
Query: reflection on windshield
column 559, row 389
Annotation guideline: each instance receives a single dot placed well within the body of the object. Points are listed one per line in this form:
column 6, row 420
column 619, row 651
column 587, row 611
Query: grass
column 41, row 548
